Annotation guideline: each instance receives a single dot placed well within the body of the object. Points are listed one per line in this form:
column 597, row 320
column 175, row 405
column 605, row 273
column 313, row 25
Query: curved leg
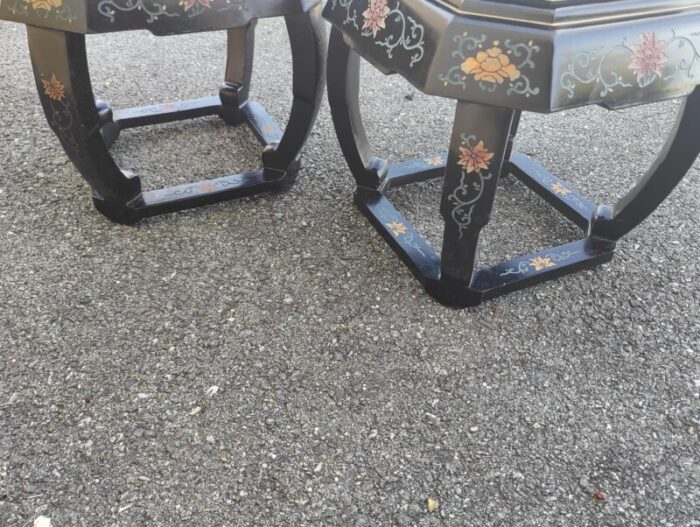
column 343, row 96
column 307, row 39
column 61, row 73
column 674, row 162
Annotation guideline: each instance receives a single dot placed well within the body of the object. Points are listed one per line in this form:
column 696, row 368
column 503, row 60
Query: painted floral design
column 539, row 263
column 474, row 159
column 397, row 228
column 375, row 16
column 435, row 161
column 386, row 23
column 155, row 10
column 45, row 9
column 189, row 4
column 623, row 67
column 208, row 187
column 47, row 5
column 542, row 262
column 492, row 65
column 61, row 114
column 649, row 55
column 558, row 188
column 53, row 88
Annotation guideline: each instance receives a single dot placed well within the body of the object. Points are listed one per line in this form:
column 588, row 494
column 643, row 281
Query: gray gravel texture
column 346, row 396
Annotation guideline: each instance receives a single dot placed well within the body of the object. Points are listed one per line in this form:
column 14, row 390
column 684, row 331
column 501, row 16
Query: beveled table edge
column 562, row 22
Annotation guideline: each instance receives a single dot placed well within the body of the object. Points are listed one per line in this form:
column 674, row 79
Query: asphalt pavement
column 269, row 361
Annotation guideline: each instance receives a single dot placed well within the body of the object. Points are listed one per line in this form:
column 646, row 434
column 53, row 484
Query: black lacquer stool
column 499, row 58
column 87, row 128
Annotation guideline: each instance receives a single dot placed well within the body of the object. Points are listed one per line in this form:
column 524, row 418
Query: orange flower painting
column 44, row 4
column 492, row 66
column 397, row 228
column 475, row 159
column 208, row 187
column 542, row 263
column 558, row 188
column 53, row 88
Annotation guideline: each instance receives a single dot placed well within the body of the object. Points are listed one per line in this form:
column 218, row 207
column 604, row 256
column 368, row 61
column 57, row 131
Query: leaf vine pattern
column 475, row 159
column 492, row 66
column 61, row 118
column 402, row 232
column 214, row 185
column 539, row 263
column 154, row 10
column 563, row 192
column 389, row 27
column 648, row 61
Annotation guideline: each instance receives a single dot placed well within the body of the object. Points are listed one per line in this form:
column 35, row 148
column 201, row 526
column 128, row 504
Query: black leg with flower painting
column 87, row 127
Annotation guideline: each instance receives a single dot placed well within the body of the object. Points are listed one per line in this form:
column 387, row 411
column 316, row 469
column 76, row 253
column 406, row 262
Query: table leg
column 307, row 37
column 674, row 162
column 239, row 70
column 343, row 96
column 61, row 73
column 480, row 141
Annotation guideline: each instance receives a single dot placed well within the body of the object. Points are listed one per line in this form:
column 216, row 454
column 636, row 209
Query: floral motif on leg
column 53, row 88
column 397, row 228
column 475, row 162
column 61, row 117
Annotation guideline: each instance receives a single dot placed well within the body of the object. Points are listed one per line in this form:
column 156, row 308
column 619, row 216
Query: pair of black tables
column 496, row 58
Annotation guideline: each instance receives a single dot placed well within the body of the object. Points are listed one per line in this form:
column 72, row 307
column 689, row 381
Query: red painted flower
column 375, row 16
column 189, row 4
column 649, row 56
column 475, row 159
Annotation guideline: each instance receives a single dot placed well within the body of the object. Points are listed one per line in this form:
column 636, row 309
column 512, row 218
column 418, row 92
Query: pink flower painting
column 648, row 58
column 375, row 16
column 189, row 4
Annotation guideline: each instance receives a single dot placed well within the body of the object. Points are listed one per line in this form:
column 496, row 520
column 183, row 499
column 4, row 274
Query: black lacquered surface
column 161, row 17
